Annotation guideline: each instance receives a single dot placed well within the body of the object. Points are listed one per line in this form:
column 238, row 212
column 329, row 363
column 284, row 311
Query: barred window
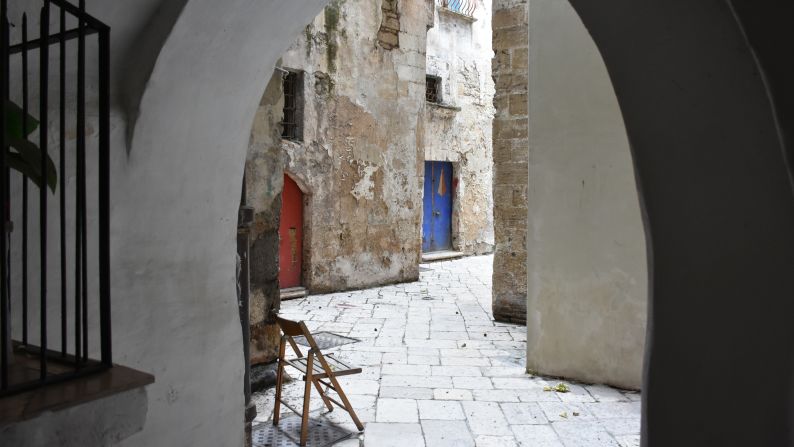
column 291, row 124
column 433, row 92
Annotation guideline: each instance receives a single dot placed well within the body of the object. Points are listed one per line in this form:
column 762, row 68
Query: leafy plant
column 23, row 155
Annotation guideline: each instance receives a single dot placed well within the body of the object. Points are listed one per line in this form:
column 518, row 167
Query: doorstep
column 293, row 293
column 441, row 255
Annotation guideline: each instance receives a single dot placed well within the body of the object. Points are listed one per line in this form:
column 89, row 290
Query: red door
column 291, row 235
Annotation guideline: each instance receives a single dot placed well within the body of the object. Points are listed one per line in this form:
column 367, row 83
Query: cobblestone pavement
column 438, row 371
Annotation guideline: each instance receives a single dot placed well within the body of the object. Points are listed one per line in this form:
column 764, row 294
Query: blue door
column 437, row 222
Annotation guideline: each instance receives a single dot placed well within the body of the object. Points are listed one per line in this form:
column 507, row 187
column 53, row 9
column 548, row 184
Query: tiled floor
column 438, row 371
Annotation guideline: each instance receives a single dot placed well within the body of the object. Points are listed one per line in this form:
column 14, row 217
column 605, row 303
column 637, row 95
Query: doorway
column 290, row 253
column 437, row 218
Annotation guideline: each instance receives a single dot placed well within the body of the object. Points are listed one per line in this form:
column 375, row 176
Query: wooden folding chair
column 329, row 369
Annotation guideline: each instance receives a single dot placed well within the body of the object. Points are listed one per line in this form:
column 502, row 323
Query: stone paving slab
column 437, row 371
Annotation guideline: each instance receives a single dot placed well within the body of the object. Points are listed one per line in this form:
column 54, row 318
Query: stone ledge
column 442, row 106
column 59, row 396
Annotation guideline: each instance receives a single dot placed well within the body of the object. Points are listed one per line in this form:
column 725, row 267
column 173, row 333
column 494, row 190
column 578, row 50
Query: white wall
column 587, row 287
column 175, row 253
column 175, row 193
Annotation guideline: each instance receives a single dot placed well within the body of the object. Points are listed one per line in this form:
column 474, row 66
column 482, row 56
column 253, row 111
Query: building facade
column 336, row 168
column 458, row 115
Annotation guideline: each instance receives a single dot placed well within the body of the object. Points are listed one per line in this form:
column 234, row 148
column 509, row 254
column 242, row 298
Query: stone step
column 293, row 293
column 441, row 255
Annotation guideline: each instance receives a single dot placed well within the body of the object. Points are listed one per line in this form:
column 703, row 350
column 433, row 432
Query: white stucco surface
column 175, row 248
column 98, row 423
column 587, row 276
column 176, row 175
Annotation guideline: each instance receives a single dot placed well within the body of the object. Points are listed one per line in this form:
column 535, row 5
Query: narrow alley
column 438, row 371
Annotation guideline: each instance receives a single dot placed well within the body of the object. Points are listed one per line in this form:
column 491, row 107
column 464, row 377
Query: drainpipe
column 245, row 218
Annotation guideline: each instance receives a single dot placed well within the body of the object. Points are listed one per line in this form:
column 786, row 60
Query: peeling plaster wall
column 459, row 52
column 587, row 285
column 362, row 148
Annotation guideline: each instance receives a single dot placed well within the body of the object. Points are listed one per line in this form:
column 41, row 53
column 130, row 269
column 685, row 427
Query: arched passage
column 709, row 158
column 719, row 210
column 180, row 189
column 718, row 215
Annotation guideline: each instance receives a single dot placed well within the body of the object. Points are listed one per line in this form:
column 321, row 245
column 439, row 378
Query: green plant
column 23, row 155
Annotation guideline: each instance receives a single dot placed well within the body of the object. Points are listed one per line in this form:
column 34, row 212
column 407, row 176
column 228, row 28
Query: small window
column 291, row 124
column 433, row 92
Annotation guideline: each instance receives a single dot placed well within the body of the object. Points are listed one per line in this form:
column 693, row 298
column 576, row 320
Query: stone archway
column 718, row 220
column 180, row 188
column 694, row 96
column 700, row 85
column 702, row 91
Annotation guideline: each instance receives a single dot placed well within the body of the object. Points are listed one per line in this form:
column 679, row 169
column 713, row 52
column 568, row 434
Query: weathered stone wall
column 366, row 132
column 359, row 159
column 459, row 129
column 264, row 179
column 510, row 155
column 362, row 142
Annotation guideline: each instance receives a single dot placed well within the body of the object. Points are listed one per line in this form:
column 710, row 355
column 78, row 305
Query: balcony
column 464, row 8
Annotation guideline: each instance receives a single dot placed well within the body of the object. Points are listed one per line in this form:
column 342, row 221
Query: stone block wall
column 510, row 155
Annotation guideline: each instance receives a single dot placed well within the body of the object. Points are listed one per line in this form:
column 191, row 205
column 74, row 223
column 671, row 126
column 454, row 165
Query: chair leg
column 322, row 394
column 306, row 400
column 348, row 406
column 279, row 381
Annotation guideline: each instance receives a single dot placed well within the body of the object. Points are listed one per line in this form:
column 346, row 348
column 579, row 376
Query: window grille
column 30, row 148
column 433, row 90
column 291, row 121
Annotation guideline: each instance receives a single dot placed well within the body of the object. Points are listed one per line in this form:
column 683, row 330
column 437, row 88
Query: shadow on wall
column 139, row 62
column 705, row 128
column 586, row 259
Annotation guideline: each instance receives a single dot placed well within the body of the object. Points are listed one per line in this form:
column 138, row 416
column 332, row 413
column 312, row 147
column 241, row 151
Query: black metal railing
column 43, row 276
column 465, row 7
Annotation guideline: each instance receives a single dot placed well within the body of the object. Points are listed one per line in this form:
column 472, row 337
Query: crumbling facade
column 345, row 117
column 263, row 185
column 355, row 153
column 458, row 123
column 510, row 156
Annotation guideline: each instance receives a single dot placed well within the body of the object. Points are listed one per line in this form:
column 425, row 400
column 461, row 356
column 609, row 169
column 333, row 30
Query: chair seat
column 325, row 340
column 338, row 367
